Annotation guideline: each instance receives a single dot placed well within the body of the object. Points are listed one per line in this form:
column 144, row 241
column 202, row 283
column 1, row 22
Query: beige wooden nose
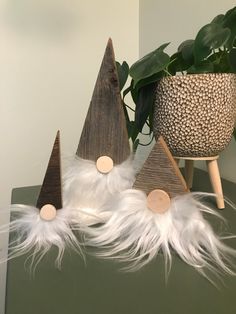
column 104, row 164
column 48, row 212
column 158, row 201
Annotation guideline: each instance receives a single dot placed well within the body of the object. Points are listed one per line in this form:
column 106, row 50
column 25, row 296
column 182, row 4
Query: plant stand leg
column 189, row 169
column 214, row 174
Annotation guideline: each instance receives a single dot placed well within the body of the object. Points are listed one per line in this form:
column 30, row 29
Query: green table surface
column 99, row 287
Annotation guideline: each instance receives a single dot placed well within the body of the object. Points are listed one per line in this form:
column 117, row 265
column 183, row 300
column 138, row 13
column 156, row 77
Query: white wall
column 50, row 55
column 174, row 21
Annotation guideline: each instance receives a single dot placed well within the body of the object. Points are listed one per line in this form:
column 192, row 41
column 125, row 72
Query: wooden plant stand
column 213, row 171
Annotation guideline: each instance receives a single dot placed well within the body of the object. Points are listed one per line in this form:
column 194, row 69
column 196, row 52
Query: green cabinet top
column 97, row 286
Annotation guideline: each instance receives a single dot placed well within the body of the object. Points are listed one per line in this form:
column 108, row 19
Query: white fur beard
column 135, row 235
column 86, row 189
column 35, row 236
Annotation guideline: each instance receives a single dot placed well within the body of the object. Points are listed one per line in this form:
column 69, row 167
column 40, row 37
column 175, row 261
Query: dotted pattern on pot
column 196, row 113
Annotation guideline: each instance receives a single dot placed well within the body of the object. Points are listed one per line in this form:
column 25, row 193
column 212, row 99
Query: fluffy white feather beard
column 135, row 235
column 86, row 189
column 30, row 234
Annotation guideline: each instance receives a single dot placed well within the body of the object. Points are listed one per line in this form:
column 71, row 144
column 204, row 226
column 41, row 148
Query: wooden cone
column 50, row 192
column 160, row 171
column 104, row 132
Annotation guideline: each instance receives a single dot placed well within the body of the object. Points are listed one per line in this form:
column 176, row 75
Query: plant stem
column 168, row 73
column 144, row 133
column 147, row 123
column 148, row 142
column 129, row 108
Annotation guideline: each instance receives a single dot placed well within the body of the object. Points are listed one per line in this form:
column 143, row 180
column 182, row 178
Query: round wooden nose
column 158, row 201
column 48, row 212
column 104, row 164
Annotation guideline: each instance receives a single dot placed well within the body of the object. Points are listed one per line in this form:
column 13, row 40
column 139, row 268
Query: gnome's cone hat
column 160, row 171
column 160, row 177
column 104, row 132
column 50, row 192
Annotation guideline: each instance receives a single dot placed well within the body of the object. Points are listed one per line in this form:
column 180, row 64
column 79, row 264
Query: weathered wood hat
column 160, row 178
column 104, row 132
column 50, row 196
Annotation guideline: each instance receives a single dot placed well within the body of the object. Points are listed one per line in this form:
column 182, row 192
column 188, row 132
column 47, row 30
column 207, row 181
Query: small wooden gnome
column 37, row 228
column 159, row 215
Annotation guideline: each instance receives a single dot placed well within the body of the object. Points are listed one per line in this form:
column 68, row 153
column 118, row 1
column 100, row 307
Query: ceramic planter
column 196, row 113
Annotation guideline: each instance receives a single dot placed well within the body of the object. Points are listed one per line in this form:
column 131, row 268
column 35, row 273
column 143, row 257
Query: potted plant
column 161, row 89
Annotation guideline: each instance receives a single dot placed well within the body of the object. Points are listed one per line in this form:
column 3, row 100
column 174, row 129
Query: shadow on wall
column 45, row 19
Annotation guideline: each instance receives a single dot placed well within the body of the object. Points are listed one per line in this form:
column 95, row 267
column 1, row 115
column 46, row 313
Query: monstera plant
column 212, row 51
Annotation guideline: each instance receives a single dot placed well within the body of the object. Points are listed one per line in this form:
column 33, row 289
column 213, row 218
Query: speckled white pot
column 196, row 113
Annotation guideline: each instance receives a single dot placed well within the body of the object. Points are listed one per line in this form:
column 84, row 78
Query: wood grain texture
column 50, row 192
column 160, row 171
column 104, row 131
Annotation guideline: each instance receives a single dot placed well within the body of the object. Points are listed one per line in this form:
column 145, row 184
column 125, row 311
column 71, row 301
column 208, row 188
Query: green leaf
column 149, row 65
column 232, row 60
column 127, row 90
column 186, row 50
column 230, row 22
column 220, row 61
column 210, row 36
column 154, row 78
column 144, row 104
column 203, row 67
column 134, row 92
column 163, row 46
column 235, row 134
column 123, row 72
column 229, row 12
column 132, row 130
column 178, row 64
column 219, row 19
column 174, row 63
column 129, row 128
